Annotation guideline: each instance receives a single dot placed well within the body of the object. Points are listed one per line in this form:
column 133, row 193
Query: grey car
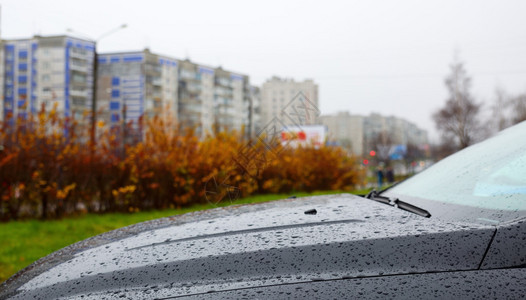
column 457, row 230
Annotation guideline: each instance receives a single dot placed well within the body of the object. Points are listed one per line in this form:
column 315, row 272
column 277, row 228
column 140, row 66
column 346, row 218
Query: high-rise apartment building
column 397, row 130
column 133, row 84
column 255, row 121
column 231, row 100
column 360, row 133
column 48, row 71
column 346, row 129
column 277, row 94
column 211, row 97
column 58, row 70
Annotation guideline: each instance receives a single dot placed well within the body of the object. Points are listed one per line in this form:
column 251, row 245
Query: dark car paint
column 351, row 246
column 487, row 284
column 508, row 248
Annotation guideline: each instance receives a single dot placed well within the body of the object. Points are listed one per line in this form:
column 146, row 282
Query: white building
column 358, row 133
column 277, row 94
column 55, row 70
column 211, row 97
column 148, row 84
column 346, row 130
column 133, row 84
column 255, row 121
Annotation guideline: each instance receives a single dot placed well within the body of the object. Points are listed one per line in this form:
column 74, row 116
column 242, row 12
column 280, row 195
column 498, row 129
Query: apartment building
column 255, row 120
column 278, row 93
column 195, row 97
column 359, row 133
column 231, row 100
column 133, row 84
column 212, row 97
column 397, row 130
column 345, row 129
column 48, row 71
column 2, row 80
column 59, row 70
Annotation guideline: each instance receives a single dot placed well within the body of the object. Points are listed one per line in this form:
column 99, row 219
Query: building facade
column 360, row 134
column 135, row 84
column 277, row 94
column 212, row 98
column 345, row 130
column 59, row 71
column 398, row 131
column 255, row 120
column 47, row 71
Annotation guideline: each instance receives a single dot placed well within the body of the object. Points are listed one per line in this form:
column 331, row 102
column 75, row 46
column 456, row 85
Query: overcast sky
column 389, row 57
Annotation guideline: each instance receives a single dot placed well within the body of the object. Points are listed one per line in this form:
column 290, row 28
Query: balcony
column 157, row 81
column 190, row 107
column 79, row 68
column 78, row 93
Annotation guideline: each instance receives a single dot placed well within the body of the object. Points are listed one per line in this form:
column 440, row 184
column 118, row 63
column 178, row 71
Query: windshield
column 483, row 183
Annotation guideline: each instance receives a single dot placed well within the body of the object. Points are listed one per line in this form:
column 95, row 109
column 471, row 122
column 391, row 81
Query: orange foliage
column 49, row 167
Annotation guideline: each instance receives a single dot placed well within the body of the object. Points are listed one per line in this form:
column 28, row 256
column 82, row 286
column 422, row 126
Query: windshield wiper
column 374, row 195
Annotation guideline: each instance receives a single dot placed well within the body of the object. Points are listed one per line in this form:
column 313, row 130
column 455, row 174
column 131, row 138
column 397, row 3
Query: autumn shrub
column 50, row 166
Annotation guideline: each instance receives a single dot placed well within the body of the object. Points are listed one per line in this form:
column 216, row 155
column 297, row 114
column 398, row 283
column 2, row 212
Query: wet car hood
column 254, row 245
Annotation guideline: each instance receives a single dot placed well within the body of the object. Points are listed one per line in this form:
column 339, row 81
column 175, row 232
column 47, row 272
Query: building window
column 22, row 79
column 22, row 67
column 114, row 105
column 78, row 62
column 78, row 77
column 78, row 50
column 22, row 92
column 22, row 55
column 78, row 101
column 115, row 118
column 46, row 78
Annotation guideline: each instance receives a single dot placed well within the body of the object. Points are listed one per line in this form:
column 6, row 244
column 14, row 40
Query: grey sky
column 389, row 57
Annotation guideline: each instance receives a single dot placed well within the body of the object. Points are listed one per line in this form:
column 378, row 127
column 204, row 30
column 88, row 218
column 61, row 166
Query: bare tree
column 519, row 108
column 508, row 110
column 500, row 109
column 459, row 118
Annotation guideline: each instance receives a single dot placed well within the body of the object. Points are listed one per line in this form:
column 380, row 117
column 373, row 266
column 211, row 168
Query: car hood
column 288, row 241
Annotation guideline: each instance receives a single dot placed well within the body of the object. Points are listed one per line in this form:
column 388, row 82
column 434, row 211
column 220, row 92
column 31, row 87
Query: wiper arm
column 374, row 195
column 411, row 208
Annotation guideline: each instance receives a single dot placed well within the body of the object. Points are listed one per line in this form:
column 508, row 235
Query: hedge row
column 50, row 168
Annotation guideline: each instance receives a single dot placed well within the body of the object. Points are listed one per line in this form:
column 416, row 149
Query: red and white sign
column 307, row 135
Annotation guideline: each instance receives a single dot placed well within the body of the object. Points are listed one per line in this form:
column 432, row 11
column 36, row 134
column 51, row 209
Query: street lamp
column 94, row 85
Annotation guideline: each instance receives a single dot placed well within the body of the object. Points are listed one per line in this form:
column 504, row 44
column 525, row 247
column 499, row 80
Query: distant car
column 457, row 230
